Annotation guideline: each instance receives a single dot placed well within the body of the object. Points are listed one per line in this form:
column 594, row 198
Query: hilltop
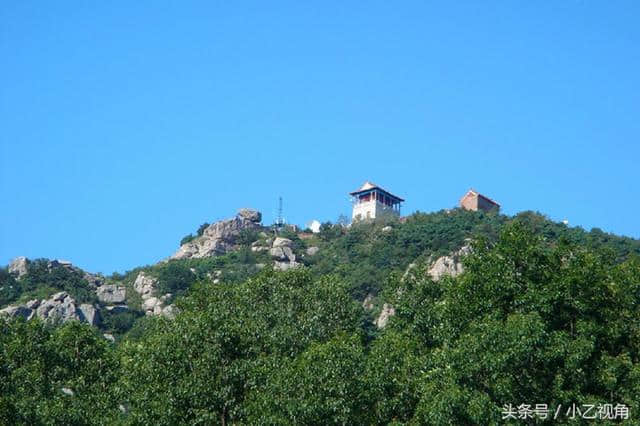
column 365, row 255
column 396, row 318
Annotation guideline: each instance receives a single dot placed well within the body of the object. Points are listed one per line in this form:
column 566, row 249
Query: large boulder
column 151, row 303
column 18, row 266
column 282, row 242
column 220, row 237
column 111, row 293
column 32, row 304
column 277, row 253
column 17, row 311
column 144, row 285
column 250, row 215
column 89, row 314
column 448, row 265
column 445, row 265
column 60, row 307
column 289, row 253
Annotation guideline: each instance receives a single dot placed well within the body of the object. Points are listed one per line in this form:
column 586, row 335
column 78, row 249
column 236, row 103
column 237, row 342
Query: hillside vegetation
column 542, row 314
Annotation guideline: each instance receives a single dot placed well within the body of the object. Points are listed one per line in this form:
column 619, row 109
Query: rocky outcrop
column 17, row 311
column 152, row 305
column 144, row 285
column 445, row 265
column 387, row 312
column 94, row 281
column 59, row 307
column 277, row 253
column 282, row 242
column 111, row 293
column 283, row 255
column 89, row 314
column 250, row 215
column 448, row 265
column 220, row 237
column 18, row 266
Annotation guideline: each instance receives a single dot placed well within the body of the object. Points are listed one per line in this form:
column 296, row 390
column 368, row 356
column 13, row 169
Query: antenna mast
column 280, row 220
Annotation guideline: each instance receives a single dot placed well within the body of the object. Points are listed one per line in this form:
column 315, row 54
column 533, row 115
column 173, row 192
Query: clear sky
column 125, row 125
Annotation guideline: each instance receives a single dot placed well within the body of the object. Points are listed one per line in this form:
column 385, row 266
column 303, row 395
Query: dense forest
column 544, row 318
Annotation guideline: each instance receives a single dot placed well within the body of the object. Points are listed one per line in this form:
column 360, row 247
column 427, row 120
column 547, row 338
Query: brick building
column 475, row 201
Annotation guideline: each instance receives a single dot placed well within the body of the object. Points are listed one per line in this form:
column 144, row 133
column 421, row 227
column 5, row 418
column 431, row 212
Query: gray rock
column 312, row 251
column 93, row 280
column 170, row 311
column 218, row 238
column 111, row 293
column 33, row 304
column 250, row 215
column 277, row 253
column 45, row 306
column 387, row 312
column 18, row 266
column 17, row 311
column 289, row 253
column 151, row 303
column 56, row 310
column 449, row 265
column 89, row 314
column 144, row 285
column 282, row 242
column 60, row 296
column 387, row 229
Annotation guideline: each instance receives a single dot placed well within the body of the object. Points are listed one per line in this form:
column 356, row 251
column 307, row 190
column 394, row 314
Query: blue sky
column 125, row 125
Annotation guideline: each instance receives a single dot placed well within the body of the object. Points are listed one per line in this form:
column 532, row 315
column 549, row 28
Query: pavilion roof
column 368, row 186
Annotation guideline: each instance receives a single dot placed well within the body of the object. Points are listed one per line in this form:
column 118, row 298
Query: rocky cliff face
column 450, row 265
column 59, row 307
column 220, row 237
column 18, row 266
column 152, row 303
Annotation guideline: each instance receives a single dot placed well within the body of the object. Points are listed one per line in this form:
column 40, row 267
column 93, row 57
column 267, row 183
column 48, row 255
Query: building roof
column 368, row 186
column 474, row 192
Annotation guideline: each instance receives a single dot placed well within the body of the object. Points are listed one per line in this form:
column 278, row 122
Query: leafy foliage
column 63, row 375
column 543, row 313
column 197, row 368
column 44, row 278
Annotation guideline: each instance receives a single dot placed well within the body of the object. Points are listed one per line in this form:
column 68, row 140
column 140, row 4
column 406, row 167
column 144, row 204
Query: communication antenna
column 280, row 219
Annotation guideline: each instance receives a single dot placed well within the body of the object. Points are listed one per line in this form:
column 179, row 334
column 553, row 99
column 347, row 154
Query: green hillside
column 542, row 314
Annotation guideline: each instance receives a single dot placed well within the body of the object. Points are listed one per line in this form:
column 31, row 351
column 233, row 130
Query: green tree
column 199, row 367
column 323, row 385
column 63, row 375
